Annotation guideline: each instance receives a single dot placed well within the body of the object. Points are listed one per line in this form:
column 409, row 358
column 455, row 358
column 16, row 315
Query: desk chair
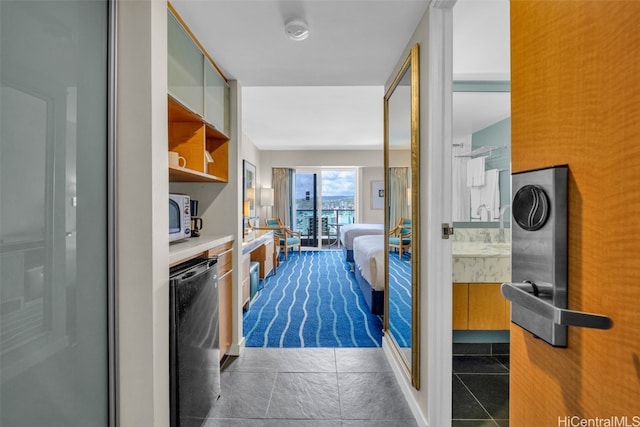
column 286, row 238
column 400, row 236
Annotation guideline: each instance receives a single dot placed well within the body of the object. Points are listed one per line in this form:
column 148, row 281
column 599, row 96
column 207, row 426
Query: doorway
column 481, row 195
column 323, row 200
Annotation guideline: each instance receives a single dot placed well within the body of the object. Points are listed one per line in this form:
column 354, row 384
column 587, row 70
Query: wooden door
column 576, row 101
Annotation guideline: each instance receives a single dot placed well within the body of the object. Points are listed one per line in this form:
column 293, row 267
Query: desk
column 260, row 249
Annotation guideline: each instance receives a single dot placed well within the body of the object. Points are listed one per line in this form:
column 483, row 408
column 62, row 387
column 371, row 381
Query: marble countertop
column 185, row 249
column 478, row 262
column 481, row 250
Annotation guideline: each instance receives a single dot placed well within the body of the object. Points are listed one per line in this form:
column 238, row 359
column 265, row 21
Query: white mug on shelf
column 207, row 155
column 176, row 160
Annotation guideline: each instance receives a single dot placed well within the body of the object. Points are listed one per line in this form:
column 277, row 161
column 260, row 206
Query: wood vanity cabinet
column 486, row 306
column 461, row 306
column 225, row 283
column 198, row 108
column 479, row 306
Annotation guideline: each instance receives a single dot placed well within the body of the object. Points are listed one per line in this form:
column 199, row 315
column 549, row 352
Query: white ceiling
column 326, row 92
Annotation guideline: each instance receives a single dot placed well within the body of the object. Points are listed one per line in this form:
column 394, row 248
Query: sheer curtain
column 281, row 182
column 398, row 195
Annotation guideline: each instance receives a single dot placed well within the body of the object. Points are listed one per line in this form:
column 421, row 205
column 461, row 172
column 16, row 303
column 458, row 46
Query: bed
column 368, row 256
column 349, row 232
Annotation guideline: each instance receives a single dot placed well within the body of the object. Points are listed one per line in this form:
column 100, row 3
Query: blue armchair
column 400, row 236
column 287, row 238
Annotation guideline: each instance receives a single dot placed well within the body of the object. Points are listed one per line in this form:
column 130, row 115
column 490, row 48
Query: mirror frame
column 412, row 368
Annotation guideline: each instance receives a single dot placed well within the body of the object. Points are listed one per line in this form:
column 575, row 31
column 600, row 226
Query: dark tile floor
column 480, row 388
column 326, row 387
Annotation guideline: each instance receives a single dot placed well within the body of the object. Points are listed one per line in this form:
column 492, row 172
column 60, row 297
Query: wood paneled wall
column 576, row 101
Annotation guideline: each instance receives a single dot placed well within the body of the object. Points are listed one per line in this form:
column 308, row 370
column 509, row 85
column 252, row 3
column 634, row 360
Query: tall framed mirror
column 402, row 218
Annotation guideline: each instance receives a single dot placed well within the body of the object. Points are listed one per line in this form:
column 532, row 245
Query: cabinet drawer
column 225, row 257
column 246, row 263
column 222, row 248
column 246, row 290
column 267, row 267
column 225, row 262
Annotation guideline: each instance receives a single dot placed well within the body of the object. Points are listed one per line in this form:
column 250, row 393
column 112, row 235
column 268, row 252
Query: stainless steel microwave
column 179, row 217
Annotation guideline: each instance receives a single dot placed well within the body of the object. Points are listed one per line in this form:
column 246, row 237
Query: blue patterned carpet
column 400, row 298
column 313, row 301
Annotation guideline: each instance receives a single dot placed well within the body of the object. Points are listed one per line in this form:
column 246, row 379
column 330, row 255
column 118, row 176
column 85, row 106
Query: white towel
column 475, row 172
column 488, row 195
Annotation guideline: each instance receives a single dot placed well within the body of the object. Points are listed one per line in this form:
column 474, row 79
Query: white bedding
column 368, row 255
column 348, row 232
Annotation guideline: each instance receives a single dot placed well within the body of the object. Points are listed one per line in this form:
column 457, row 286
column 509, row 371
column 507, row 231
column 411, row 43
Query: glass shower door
column 54, row 363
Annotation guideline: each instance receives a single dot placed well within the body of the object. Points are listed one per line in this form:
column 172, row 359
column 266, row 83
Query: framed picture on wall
column 377, row 194
column 249, row 190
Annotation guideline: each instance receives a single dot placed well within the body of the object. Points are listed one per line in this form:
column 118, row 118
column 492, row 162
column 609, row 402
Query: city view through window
column 337, row 193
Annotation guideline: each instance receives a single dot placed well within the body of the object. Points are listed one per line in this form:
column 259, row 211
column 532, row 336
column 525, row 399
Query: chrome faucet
column 483, row 206
column 501, row 231
column 486, row 234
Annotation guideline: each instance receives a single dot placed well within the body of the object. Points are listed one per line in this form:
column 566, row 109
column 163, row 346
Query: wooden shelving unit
column 198, row 107
column 193, row 138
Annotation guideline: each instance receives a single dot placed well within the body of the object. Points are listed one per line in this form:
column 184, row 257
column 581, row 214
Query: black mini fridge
column 194, row 348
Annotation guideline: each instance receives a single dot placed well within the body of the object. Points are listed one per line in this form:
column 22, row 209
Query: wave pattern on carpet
column 313, row 301
column 400, row 306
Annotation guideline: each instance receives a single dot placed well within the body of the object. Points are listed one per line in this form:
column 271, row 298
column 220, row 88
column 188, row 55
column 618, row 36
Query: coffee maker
column 196, row 221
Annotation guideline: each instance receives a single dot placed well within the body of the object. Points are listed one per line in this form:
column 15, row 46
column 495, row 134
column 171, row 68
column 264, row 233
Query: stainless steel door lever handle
column 522, row 294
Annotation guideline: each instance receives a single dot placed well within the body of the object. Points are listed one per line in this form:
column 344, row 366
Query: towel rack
column 482, row 150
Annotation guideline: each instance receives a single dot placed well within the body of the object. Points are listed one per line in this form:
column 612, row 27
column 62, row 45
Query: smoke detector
column 296, row 29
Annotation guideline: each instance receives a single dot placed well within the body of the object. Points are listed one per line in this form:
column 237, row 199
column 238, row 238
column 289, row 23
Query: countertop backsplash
column 479, row 235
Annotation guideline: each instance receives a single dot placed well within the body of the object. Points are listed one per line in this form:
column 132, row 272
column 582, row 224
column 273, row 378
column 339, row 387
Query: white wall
column 400, row 158
column 369, row 163
column 316, row 158
column 142, row 216
column 252, row 154
column 368, row 215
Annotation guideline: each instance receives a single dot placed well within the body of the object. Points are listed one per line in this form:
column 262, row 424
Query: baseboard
column 237, row 349
column 403, row 381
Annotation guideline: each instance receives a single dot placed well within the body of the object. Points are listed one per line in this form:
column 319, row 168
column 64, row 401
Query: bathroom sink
column 481, row 249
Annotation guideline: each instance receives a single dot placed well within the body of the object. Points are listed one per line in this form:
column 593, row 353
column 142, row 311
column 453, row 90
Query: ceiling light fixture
column 296, row 29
